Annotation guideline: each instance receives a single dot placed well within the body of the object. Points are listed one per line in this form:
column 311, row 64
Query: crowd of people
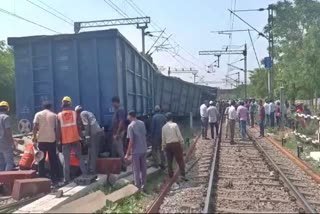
column 250, row 112
column 67, row 144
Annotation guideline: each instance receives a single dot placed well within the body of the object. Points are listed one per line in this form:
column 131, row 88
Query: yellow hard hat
column 5, row 104
column 66, row 99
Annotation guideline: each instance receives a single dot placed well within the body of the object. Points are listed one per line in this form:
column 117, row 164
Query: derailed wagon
column 92, row 67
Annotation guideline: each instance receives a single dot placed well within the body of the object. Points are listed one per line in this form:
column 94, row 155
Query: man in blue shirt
column 158, row 121
column 137, row 135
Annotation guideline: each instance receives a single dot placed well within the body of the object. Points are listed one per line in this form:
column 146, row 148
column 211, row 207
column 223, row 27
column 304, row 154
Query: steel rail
column 208, row 202
column 155, row 206
column 293, row 189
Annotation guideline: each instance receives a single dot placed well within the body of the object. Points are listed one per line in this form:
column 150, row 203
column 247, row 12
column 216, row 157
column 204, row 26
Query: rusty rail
column 208, row 200
column 155, row 206
column 300, row 198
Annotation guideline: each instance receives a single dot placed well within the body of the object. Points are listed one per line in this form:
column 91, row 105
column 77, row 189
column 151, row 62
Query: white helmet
column 78, row 108
column 211, row 102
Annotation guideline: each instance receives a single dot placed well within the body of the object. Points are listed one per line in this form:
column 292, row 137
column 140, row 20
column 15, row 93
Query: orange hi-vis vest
column 74, row 161
column 69, row 128
column 27, row 158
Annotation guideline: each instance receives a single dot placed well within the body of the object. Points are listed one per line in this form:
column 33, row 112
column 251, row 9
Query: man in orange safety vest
column 69, row 133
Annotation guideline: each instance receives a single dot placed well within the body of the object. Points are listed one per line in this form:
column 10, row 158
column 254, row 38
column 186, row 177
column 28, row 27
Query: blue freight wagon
column 90, row 67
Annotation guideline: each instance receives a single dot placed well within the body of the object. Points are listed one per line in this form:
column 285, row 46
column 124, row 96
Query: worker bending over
column 93, row 135
column 6, row 139
column 69, row 130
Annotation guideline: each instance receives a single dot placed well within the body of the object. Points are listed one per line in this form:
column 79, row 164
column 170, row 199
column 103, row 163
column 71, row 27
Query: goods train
column 91, row 68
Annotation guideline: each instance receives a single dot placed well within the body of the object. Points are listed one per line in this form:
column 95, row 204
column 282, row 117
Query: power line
column 156, row 27
column 116, row 8
column 27, row 20
column 231, row 27
column 254, row 49
column 50, row 12
column 55, row 10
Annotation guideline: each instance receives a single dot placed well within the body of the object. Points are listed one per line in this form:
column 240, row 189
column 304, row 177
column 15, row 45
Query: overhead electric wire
column 254, row 49
column 156, row 27
column 27, row 20
column 55, row 10
column 233, row 7
column 116, row 8
column 71, row 23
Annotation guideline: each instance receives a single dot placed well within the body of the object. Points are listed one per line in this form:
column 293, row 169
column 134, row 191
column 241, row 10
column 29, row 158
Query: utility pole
column 269, row 38
column 245, row 70
column 143, row 29
column 184, row 71
column 140, row 22
column 271, row 53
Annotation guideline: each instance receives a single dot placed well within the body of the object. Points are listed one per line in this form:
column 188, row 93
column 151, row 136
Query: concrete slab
column 96, row 200
column 122, row 193
column 70, row 192
column 87, row 204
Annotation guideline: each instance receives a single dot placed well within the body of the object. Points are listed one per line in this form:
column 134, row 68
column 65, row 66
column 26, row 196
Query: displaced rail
column 189, row 197
column 244, row 178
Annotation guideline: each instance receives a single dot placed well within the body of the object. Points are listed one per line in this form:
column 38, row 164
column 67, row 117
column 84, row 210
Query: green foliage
column 7, row 75
column 296, row 33
column 258, row 85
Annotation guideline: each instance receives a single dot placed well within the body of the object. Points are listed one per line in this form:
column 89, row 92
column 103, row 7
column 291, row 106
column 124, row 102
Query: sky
column 188, row 23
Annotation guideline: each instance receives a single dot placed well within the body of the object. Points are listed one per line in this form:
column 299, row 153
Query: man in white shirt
column 232, row 116
column 271, row 110
column 266, row 109
column 213, row 115
column 172, row 144
column 44, row 137
column 226, row 113
column 204, row 119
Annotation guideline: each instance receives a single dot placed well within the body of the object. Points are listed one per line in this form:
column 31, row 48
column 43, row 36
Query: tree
column 296, row 32
column 7, row 75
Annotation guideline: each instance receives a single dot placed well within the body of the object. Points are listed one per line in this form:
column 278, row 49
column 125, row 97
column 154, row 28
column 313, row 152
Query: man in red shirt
column 262, row 115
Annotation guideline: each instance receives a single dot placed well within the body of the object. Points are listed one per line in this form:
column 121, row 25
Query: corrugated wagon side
column 90, row 67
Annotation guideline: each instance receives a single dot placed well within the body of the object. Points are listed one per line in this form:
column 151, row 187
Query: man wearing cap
column 6, row 139
column 158, row 121
column 138, row 149
column 44, row 126
column 93, row 136
column 69, row 134
column 213, row 115
column 172, row 142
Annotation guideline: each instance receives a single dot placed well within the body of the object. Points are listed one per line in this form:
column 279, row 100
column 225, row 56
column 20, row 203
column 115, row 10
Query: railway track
column 247, row 179
column 305, row 185
column 188, row 197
